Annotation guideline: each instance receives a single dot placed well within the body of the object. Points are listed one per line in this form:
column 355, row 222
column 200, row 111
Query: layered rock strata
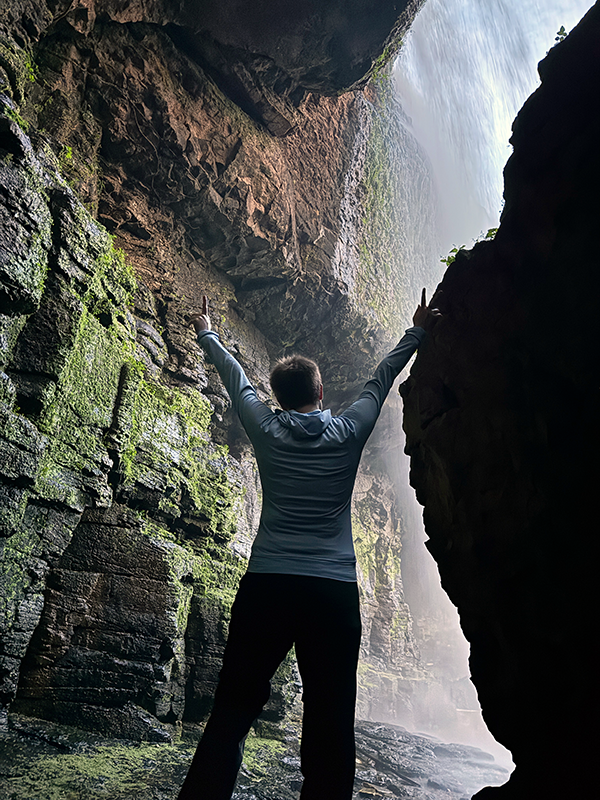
column 130, row 493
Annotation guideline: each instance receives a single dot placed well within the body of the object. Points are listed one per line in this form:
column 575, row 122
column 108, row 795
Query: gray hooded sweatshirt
column 307, row 465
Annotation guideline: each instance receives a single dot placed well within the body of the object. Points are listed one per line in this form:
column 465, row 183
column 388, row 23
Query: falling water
column 465, row 70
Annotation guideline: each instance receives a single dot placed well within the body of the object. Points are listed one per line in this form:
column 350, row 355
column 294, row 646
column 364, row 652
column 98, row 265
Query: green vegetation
column 19, row 67
column 14, row 115
column 24, row 274
column 260, row 754
column 561, row 35
column 80, row 408
column 365, row 541
column 168, row 449
column 375, row 553
column 180, row 561
column 217, row 572
column 98, row 423
column 65, row 157
column 15, row 579
column 450, row 258
column 114, row 771
column 379, row 275
column 380, row 64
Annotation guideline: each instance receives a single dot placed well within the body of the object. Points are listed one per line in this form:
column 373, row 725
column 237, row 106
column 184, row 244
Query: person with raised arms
column 300, row 587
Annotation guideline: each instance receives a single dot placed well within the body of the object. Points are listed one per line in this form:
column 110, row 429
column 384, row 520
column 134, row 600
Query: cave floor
column 43, row 761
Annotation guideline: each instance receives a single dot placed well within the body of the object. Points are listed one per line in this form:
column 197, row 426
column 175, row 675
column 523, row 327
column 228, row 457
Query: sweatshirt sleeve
column 365, row 411
column 251, row 411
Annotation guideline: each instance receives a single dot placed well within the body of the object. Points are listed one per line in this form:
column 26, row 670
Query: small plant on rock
column 450, row 258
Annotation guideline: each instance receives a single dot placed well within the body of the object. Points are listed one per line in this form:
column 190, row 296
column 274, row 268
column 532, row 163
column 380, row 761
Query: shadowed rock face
column 501, row 414
column 264, row 56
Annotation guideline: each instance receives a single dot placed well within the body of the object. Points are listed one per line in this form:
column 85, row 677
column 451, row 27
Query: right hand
column 423, row 313
column 201, row 322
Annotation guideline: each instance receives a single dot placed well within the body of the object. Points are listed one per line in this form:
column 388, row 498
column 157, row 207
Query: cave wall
column 501, row 416
column 145, row 161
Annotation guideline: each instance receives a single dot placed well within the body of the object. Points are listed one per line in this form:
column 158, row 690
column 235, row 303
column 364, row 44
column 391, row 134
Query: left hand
column 423, row 314
column 201, row 322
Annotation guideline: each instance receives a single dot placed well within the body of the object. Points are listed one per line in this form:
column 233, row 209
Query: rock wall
column 146, row 159
column 501, row 415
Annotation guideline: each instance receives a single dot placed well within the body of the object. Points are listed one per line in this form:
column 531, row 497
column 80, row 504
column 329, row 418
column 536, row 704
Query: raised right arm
column 251, row 411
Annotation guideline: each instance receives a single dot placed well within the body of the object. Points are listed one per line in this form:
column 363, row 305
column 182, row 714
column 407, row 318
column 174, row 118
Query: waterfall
column 465, row 70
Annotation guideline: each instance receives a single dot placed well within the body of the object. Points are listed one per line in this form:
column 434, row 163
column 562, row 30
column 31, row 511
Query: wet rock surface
column 118, row 448
column 391, row 763
column 42, row 761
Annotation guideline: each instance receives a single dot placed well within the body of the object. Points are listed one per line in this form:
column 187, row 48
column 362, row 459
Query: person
column 300, row 587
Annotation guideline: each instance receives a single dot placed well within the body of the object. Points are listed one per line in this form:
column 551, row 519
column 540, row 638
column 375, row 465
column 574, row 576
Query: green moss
column 16, row 117
column 113, row 284
column 181, row 564
column 82, row 407
column 160, row 433
column 80, row 410
column 26, row 271
column 19, row 66
column 168, row 448
column 12, row 511
column 260, row 754
column 16, row 552
column 384, row 60
column 65, row 157
column 379, row 276
column 365, row 541
column 368, row 676
column 10, row 328
column 113, row 771
column 217, row 572
column 379, row 561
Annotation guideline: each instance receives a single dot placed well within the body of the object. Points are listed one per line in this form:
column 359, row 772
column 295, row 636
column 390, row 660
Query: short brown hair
column 296, row 382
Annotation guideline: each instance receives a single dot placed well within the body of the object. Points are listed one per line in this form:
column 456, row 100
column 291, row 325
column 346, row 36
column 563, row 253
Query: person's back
column 307, row 464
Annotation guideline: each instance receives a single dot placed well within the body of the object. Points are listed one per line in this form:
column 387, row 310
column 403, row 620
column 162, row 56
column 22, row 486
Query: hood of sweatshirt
column 305, row 426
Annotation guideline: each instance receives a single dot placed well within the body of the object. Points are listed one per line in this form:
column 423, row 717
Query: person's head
column 296, row 382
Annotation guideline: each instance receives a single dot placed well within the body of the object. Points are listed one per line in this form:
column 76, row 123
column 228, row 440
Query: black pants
column 270, row 614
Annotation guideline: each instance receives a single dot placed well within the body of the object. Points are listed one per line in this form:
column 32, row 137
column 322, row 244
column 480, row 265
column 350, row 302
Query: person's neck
column 306, row 409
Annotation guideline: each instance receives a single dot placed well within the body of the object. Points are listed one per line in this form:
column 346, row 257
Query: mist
column 463, row 73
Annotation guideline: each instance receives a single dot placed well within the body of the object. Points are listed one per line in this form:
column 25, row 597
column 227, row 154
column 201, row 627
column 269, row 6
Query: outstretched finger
column 205, row 304
column 423, row 299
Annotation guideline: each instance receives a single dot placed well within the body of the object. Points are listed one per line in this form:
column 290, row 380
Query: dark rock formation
column 502, row 428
